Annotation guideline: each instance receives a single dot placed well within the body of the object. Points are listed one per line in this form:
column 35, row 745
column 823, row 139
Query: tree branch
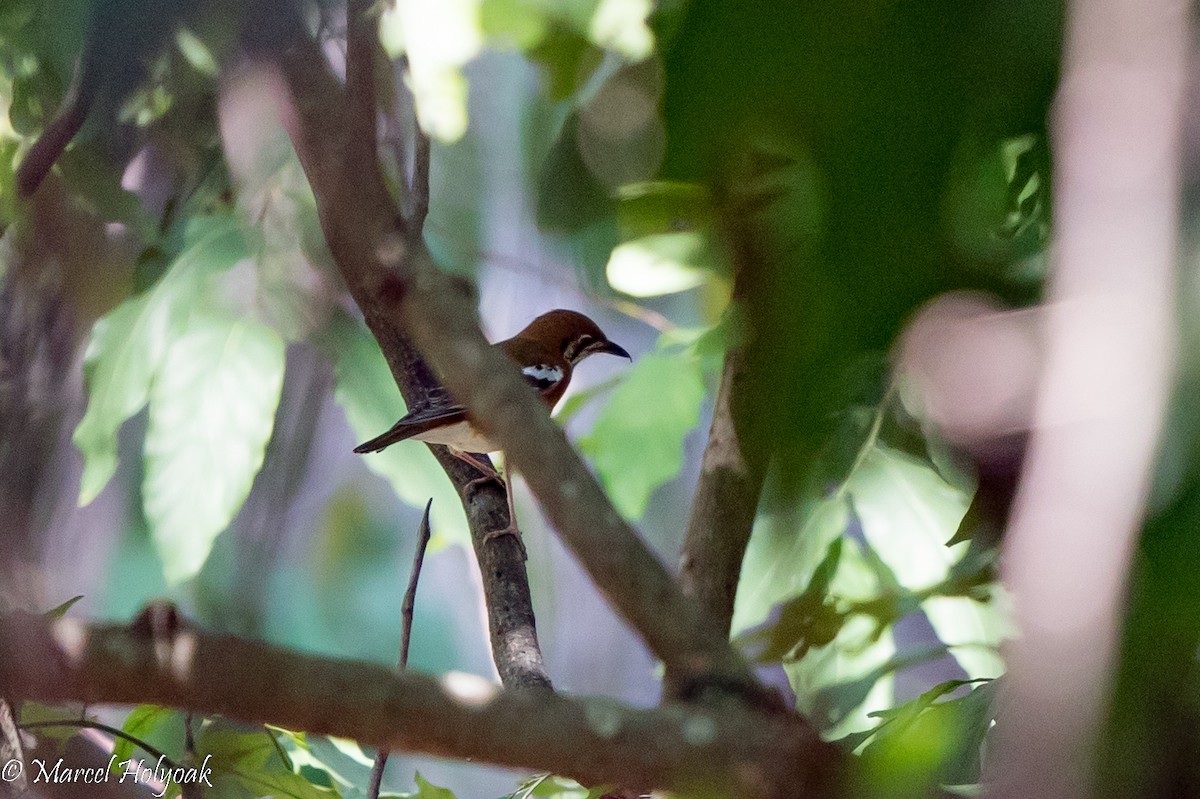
column 731, row 479
column 401, row 292
column 357, row 211
column 735, row 752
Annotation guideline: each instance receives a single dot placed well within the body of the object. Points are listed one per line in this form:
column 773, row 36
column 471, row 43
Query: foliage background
column 868, row 158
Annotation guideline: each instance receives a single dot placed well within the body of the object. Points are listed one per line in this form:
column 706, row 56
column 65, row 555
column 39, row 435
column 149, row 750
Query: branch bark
column 333, row 131
column 402, row 293
column 731, row 479
column 161, row 659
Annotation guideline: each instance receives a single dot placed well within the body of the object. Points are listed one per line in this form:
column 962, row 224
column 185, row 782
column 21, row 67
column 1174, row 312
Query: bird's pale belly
column 461, row 436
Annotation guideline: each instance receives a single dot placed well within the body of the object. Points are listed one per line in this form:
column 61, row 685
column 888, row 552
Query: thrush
column 546, row 351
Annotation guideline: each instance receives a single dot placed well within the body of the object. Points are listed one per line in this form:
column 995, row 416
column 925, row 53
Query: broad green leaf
column 152, row 724
column 637, row 442
column 125, row 349
column 858, row 656
column 785, row 551
column 908, row 512
column 247, row 762
column 926, row 743
column 128, row 345
column 212, row 408
column 367, row 393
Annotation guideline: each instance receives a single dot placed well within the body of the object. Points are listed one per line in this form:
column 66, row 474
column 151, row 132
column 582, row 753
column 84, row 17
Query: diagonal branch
column 327, row 125
column 402, row 292
column 735, row 752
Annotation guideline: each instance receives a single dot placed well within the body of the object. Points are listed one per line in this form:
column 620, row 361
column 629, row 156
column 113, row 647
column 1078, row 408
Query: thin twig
column 406, row 616
column 113, row 731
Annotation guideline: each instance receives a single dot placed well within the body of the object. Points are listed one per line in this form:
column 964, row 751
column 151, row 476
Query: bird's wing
column 438, row 409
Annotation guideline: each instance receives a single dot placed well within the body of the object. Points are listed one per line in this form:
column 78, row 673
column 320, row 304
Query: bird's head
column 572, row 332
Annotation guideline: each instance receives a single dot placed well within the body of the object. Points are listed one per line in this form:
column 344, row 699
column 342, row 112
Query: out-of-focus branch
column 357, row 210
column 1101, row 404
column 734, row 752
column 402, row 292
column 731, row 478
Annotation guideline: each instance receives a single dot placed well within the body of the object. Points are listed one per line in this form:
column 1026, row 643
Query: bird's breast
column 460, row 435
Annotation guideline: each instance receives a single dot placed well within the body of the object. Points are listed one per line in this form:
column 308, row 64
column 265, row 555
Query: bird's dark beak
column 614, row 349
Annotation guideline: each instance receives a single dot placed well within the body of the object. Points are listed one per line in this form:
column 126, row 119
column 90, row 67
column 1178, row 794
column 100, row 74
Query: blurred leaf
column 620, row 25
column 161, row 727
column 123, row 352
column 809, row 619
column 367, row 393
column 551, row 786
column 59, row 611
column 196, row 52
column 513, row 23
column 247, row 762
column 352, row 750
column 925, row 743
column 34, row 712
column 212, row 408
column 665, row 263
column 128, row 345
column 908, row 512
column 636, row 444
column 427, row 790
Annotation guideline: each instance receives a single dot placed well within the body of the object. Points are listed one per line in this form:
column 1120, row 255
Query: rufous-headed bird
column 547, row 352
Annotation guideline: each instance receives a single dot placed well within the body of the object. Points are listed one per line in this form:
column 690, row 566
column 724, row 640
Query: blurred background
column 183, row 376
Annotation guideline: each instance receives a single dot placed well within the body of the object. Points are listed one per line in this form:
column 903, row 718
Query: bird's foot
column 512, row 530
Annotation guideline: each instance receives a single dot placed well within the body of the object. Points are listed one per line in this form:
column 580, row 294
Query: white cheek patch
column 542, row 376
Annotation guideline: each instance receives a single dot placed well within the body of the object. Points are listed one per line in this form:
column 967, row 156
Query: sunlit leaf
column 247, row 762
column 908, row 512
column 637, row 442
column 212, row 408
column 128, row 345
column 439, row 38
column 620, row 25
column 666, row 263
column 552, row 786
column 152, row 724
column 427, row 790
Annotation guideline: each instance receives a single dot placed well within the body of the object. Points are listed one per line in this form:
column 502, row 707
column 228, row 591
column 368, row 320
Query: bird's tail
column 383, row 441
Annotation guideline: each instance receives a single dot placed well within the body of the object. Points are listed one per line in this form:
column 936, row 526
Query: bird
column 546, row 351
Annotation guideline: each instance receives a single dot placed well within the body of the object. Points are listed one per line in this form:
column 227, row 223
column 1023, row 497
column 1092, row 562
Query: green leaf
column 637, row 442
column 58, row 611
column 908, row 512
column 212, row 408
column 552, row 786
column 149, row 722
column 129, row 344
column 247, row 762
column 352, row 750
column 125, row 349
column 367, row 393
column 664, row 263
column 427, row 790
